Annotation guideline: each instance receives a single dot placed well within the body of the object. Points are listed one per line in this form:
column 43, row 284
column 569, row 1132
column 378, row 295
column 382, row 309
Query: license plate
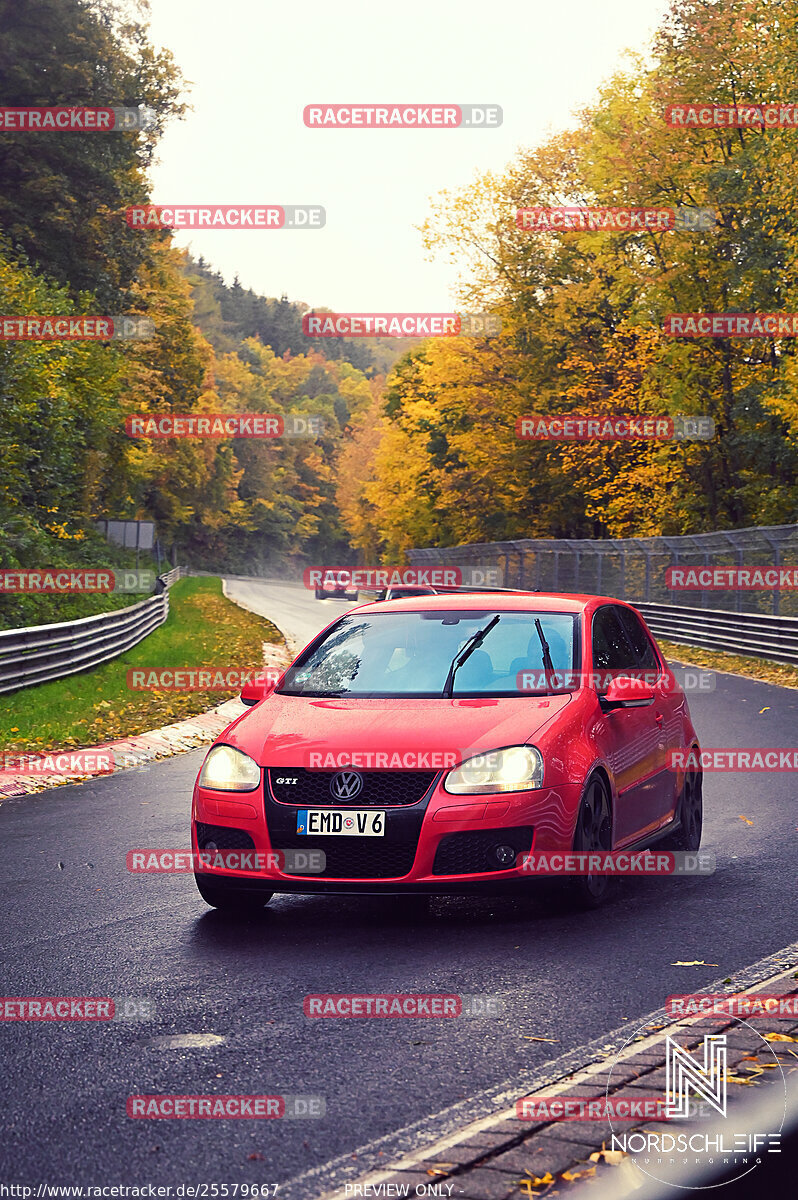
column 335, row 822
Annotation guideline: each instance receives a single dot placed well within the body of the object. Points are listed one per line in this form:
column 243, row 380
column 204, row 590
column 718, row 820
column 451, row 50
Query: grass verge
column 763, row 669
column 203, row 630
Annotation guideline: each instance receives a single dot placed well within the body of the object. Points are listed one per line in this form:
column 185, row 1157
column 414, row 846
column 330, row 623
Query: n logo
column 683, row 1073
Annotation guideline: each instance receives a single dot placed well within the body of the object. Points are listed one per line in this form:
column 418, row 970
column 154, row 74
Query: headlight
column 229, row 770
column 514, row 769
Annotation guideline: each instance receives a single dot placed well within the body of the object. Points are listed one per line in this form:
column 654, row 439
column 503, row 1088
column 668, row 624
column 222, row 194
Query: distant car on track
column 404, row 591
column 340, row 592
column 507, row 722
column 401, row 591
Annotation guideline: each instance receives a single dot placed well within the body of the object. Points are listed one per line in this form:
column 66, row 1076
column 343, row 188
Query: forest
column 419, row 443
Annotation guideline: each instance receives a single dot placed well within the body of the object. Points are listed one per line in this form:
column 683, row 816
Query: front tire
column 593, row 832
column 230, row 900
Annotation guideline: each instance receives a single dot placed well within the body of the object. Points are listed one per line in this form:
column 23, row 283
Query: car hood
column 285, row 731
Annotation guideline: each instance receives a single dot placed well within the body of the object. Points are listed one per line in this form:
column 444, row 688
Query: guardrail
column 42, row 653
column 170, row 577
column 756, row 634
column 633, row 569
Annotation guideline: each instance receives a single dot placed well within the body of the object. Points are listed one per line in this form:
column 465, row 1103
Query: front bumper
column 440, row 844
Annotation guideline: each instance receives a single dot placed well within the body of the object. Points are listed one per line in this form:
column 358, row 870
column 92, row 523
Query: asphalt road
column 292, row 608
column 76, row 923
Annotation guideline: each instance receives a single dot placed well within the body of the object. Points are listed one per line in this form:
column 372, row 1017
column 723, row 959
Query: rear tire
column 228, row 899
column 691, row 815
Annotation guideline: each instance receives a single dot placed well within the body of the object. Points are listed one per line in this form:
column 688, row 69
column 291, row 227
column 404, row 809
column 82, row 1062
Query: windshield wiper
column 471, row 645
column 548, row 665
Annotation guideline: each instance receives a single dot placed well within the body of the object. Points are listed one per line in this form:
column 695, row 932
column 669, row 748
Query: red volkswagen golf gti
column 428, row 744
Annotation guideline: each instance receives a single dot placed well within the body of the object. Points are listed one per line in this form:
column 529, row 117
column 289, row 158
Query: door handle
column 658, row 717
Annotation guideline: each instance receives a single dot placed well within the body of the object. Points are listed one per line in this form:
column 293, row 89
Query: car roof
column 568, row 602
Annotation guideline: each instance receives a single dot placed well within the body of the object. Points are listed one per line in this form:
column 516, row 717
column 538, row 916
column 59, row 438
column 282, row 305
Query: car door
column 632, row 739
column 665, row 706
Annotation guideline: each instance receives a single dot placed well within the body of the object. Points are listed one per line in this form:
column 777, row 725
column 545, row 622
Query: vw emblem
column 346, row 785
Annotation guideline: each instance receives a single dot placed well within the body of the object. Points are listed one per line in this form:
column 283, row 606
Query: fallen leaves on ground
column 744, row 1079
column 762, row 669
column 696, row 962
column 571, row 1175
column 536, row 1181
column 613, row 1158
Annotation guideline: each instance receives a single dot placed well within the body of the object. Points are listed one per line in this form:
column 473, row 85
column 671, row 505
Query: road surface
column 77, row 923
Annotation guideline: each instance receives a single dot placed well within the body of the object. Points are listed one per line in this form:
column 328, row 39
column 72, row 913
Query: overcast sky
column 254, row 65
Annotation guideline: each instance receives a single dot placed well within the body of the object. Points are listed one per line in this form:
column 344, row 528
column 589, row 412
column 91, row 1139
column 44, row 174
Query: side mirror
column 626, row 692
column 261, row 686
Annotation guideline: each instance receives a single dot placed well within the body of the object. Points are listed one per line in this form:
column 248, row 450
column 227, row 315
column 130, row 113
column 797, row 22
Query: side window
column 641, row 642
column 611, row 648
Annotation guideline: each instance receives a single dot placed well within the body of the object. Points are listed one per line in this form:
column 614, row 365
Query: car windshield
column 410, row 653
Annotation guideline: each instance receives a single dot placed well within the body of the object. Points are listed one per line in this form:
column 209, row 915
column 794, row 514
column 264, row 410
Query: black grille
column 352, row 858
column 388, row 857
column 472, row 851
column 381, row 789
column 224, row 837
